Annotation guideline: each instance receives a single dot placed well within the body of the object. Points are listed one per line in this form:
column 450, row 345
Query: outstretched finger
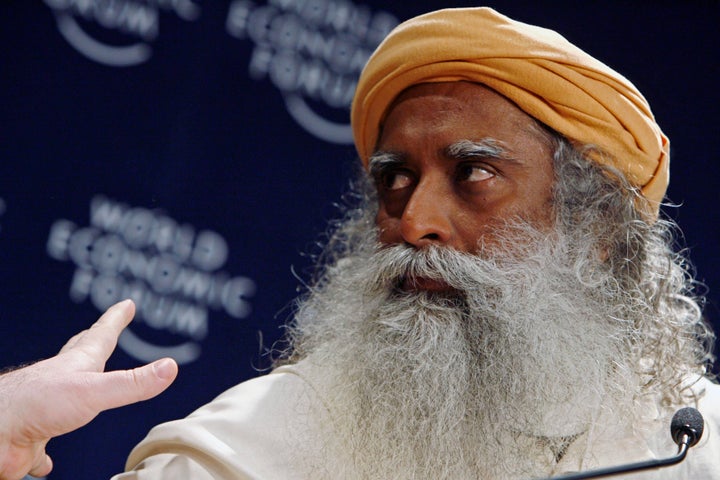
column 123, row 387
column 100, row 339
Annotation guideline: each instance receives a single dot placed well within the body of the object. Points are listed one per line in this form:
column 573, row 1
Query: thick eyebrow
column 379, row 162
column 485, row 148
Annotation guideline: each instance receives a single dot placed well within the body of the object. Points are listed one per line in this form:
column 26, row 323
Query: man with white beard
column 502, row 301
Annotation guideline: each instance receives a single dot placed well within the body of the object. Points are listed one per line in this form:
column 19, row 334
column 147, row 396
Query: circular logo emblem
column 116, row 33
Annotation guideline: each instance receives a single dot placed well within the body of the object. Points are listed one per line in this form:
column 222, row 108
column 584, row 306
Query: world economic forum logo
column 117, row 33
column 313, row 51
column 171, row 270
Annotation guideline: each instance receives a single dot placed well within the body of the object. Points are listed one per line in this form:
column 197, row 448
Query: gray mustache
column 394, row 264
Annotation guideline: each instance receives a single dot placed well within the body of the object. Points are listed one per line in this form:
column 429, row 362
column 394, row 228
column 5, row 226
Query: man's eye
column 474, row 173
column 396, row 180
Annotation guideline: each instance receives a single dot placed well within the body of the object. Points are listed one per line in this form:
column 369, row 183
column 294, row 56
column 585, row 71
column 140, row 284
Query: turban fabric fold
column 539, row 70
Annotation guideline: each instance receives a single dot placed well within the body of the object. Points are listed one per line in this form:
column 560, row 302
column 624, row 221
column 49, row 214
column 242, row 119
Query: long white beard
column 491, row 380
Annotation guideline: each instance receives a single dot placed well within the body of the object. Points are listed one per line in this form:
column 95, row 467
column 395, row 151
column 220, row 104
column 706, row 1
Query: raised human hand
column 65, row 392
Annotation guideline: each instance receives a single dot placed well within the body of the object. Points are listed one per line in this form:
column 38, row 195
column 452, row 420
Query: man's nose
column 426, row 217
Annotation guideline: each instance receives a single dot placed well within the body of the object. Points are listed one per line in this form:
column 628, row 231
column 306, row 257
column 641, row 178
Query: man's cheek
column 388, row 228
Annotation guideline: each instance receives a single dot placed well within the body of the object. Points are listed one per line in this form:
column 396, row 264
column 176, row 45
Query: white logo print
column 117, row 33
column 170, row 270
column 313, row 52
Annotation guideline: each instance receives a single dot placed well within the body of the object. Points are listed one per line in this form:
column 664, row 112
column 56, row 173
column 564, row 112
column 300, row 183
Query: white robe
column 270, row 428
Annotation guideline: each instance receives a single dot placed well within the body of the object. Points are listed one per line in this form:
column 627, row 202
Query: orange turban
column 544, row 74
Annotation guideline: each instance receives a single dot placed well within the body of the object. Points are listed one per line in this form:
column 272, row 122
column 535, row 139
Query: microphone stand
column 686, row 429
column 632, row 467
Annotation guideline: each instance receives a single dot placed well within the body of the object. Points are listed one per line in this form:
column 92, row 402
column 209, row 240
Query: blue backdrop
column 188, row 153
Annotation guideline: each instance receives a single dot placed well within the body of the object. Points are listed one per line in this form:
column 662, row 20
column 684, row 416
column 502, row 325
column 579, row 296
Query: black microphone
column 687, row 421
column 686, row 429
